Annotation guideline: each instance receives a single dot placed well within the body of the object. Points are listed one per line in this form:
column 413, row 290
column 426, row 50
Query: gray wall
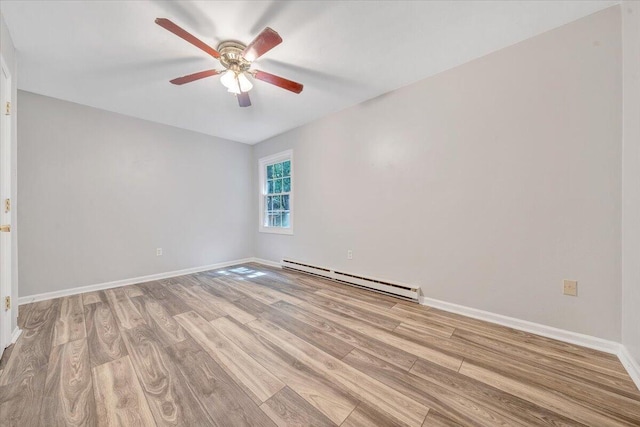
column 487, row 184
column 631, row 179
column 9, row 55
column 99, row 192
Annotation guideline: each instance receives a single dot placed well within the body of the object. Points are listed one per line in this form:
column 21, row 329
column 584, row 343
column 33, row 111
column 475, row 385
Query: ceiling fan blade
column 170, row 26
column 264, row 42
column 243, row 99
column 278, row 81
column 195, row 76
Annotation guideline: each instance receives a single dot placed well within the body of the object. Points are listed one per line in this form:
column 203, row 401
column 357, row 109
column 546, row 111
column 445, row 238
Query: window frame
column 262, row 191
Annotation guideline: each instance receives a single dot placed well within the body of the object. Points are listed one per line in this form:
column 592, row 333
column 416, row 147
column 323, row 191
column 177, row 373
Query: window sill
column 285, row 231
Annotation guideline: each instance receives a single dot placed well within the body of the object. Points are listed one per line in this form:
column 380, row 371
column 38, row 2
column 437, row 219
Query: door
column 5, row 205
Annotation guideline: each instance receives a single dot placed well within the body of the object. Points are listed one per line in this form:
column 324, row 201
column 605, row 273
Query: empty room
column 320, row 213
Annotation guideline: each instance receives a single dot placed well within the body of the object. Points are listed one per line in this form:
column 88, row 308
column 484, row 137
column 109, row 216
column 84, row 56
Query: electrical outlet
column 571, row 288
column 349, row 254
column 159, row 252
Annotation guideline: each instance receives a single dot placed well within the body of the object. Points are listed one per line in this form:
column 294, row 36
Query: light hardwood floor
column 257, row 346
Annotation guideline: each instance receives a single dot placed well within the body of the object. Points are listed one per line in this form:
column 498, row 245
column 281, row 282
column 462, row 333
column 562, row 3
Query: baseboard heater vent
column 398, row 290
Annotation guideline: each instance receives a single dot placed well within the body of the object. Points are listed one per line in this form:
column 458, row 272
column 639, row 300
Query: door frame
column 5, row 193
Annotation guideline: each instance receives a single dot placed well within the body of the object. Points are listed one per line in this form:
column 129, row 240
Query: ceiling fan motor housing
column 231, row 56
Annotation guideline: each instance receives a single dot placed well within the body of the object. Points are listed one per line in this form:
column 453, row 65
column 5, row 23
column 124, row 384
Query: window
column 276, row 193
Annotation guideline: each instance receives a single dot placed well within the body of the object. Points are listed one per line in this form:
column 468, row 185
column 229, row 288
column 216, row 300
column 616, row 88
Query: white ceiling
column 111, row 55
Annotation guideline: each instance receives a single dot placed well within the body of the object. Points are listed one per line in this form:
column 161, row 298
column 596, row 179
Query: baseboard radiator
column 406, row 292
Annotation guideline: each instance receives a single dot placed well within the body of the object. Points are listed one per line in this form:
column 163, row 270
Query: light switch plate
column 571, row 288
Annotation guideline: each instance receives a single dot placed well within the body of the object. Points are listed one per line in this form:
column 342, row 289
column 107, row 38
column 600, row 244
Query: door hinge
column 8, row 108
column 7, row 303
column 7, row 205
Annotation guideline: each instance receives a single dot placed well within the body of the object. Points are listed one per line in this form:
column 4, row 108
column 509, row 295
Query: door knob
column 5, row 228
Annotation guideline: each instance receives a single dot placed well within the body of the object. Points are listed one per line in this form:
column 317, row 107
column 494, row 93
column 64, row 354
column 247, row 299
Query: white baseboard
column 583, row 340
column 266, row 262
column 15, row 335
column 630, row 364
column 124, row 282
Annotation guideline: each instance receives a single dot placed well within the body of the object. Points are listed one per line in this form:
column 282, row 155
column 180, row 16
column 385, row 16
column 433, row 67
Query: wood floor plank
column 171, row 401
column 103, row 336
column 287, row 409
column 315, row 389
column 252, row 305
column 607, row 403
column 378, row 299
column 21, row 400
column 133, row 291
column 267, row 285
column 220, row 286
column 431, row 395
column 367, row 416
column 282, row 283
column 315, row 336
column 119, row 398
column 94, row 297
column 223, row 305
column 69, row 325
column 434, row 419
column 364, row 342
column 527, row 412
column 363, row 387
column 418, row 326
column 436, row 355
column 587, row 358
column 205, row 310
column 68, row 392
column 450, row 395
column 547, row 365
column 262, row 294
column 554, row 401
column 125, row 312
column 220, row 395
column 374, row 319
column 168, row 299
column 562, row 377
column 159, row 320
column 258, row 382
column 33, row 348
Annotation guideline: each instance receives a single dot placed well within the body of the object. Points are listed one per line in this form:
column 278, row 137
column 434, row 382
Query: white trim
column 15, row 335
column 262, row 179
column 266, row 262
column 124, row 282
column 630, row 364
column 583, row 340
column 6, row 129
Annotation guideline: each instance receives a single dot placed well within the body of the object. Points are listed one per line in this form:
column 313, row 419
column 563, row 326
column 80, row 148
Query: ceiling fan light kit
column 236, row 58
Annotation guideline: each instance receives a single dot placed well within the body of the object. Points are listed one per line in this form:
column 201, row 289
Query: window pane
column 286, row 168
column 285, row 219
column 269, row 171
column 286, row 185
column 270, row 203
column 277, row 187
column 270, row 186
column 277, row 220
column 285, row 202
column 272, row 220
column 275, row 203
column 277, row 170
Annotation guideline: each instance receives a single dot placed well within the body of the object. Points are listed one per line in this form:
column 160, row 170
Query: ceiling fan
column 236, row 58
